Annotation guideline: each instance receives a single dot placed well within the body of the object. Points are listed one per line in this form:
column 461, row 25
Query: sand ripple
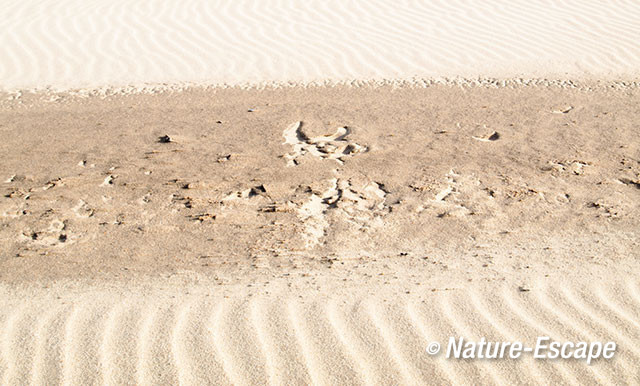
column 117, row 336
column 73, row 43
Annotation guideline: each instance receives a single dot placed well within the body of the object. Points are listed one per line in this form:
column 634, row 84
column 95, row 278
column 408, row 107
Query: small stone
column 494, row 137
column 524, row 288
column 563, row 110
column 223, row 158
column 108, row 180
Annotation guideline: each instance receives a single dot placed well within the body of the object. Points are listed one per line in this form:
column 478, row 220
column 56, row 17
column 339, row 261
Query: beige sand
column 319, row 235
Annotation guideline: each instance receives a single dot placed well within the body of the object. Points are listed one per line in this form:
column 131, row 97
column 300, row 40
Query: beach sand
column 318, row 234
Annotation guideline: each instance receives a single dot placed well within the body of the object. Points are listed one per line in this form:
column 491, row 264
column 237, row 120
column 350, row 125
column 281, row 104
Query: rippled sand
column 89, row 44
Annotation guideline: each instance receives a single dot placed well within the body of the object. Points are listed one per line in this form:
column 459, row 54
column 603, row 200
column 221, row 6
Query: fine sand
column 97, row 43
column 318, row 235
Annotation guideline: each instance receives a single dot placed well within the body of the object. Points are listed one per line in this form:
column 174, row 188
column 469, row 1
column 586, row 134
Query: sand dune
column 194, row 334
column 75, row 44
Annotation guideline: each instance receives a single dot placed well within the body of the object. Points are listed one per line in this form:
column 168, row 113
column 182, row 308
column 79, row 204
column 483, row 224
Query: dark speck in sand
column 164, row 139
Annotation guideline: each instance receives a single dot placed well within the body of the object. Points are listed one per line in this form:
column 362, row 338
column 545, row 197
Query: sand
column 93, row 44
column 318, row 235
column 318, row 192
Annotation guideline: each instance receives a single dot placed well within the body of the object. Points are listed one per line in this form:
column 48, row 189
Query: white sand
column 174, row 332
column 91, row 43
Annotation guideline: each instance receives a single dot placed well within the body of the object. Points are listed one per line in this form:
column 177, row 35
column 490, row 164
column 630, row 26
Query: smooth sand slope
column 77, row 43
column 319, row 235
